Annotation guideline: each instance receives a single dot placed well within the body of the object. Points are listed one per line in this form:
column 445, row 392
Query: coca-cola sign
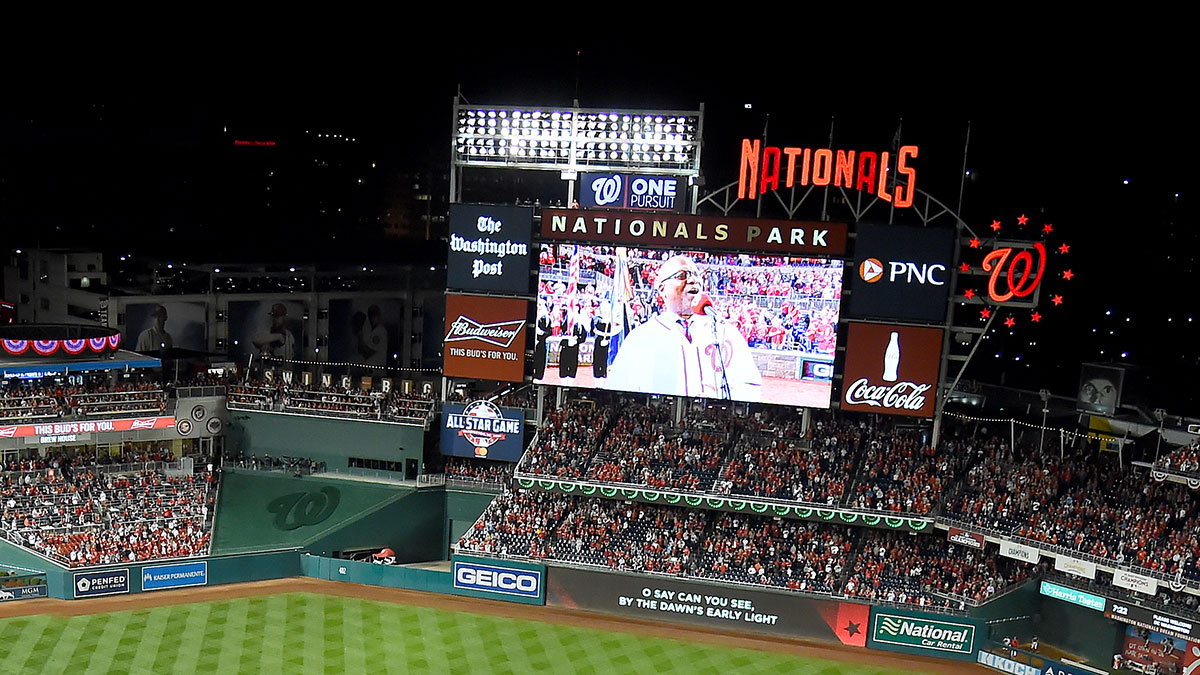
column 485, row 338
column 891, row 369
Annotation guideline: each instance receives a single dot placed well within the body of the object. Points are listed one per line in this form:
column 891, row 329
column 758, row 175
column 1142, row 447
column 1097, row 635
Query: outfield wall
column 164, row 575
column 333, row 569
column 326, row 439
column 262, row 509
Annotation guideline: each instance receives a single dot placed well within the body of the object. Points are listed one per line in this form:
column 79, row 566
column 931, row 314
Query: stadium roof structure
column 24, row 368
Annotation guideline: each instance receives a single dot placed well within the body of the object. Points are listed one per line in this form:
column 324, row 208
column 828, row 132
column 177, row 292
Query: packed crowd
column 79, row 514
column 478, row 470
column 1183, row 459
column 331, row 401
column 846, row 463
column 929, row 571
column 98, row 398
column 809, row 557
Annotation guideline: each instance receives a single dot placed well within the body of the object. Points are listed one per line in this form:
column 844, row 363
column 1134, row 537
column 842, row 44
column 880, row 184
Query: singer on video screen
column 687, row 349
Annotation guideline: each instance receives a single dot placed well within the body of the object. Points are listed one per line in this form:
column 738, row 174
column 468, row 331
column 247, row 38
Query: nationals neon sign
column 762, row 168
column 998, row 263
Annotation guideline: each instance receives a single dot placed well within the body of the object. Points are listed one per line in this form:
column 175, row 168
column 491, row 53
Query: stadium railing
column 1106, row 564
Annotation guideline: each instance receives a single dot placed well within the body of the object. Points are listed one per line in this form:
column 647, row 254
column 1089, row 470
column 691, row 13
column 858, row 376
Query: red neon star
column 1022, row 219
column 969, row 293
column 1064, row 249
column 974, row 242
column 965, row 267
column 1035, row 317
column 1047, row 228
column 1068, row 275
column 1056, row 299
column 1010, row 322
column 985, row 313
column 995, row 226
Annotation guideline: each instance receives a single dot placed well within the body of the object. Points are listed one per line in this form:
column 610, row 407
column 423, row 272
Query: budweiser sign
column 964, row 538
column 500, row 334
column 485, row 338
column 891, row 369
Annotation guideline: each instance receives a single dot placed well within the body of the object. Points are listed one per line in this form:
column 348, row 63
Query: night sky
column 113, row 156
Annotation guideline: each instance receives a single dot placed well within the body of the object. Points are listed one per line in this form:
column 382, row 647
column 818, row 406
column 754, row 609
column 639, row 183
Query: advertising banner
column 495, row 579
column 58, row 429
column 1171, row 654
column 901, row 272
column 178, row 575
column 891, row 369
column 1151, row 620
column 484, row 430
column 708, row 605
column 9, row 594
column 1099, row 389
column 485, row 338
column 1075, row 566
column 153, row 327
column 964, row 538
column 266, row 328
column 922, row 633
column 108, row 582
column 725, row 326
column 489, row 248
column 1005, row 664
column 631, row 191
column 787, row 237
column 1011, row 549
column 366, row 331
column 1135, row 582
column 1073, row 596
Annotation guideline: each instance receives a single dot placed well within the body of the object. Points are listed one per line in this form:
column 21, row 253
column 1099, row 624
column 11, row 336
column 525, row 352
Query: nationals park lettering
column 782, row 236
column 761, row 168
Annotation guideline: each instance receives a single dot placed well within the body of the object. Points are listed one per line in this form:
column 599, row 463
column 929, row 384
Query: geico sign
column 497, row 579
column 871, row 271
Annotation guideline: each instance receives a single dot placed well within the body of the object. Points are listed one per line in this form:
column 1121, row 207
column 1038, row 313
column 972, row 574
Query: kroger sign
column 629, row 191
column 492, row 579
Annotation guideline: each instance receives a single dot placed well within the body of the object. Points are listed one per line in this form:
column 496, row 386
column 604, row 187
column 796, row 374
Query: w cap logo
column 607, row 189
column 871, row 270
column 891, row 626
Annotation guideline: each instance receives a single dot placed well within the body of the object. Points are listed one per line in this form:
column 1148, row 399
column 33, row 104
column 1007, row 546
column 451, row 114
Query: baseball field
column 311, row 626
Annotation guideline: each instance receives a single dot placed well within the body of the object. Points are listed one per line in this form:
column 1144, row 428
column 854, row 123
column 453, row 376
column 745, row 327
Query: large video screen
column 755, row 328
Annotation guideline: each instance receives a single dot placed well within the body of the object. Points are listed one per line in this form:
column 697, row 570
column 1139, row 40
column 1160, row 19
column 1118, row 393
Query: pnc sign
column 902, row 272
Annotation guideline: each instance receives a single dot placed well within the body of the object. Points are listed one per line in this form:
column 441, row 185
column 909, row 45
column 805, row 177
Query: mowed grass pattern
column 311, row 633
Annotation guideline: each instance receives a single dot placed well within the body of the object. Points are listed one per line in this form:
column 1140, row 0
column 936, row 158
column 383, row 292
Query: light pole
column 1161, row 416
column 1044, row 394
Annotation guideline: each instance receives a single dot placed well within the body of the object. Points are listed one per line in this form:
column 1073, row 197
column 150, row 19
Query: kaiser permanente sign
column 923, row 634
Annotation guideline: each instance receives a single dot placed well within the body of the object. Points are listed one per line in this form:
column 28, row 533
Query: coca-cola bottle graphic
column 891, row 359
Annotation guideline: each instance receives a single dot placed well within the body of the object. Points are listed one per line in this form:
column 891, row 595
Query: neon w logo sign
column 1003, row 270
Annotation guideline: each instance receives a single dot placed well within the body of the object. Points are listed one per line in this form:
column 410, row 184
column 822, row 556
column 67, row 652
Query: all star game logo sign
column 483, row 429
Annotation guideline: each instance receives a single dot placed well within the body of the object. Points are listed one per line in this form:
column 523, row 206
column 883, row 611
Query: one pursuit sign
column 174, row 576
column 108, row 582
column 486, row 580
column 923, row 634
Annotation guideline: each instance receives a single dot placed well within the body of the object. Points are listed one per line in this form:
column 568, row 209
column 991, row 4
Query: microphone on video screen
column 704, row 305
